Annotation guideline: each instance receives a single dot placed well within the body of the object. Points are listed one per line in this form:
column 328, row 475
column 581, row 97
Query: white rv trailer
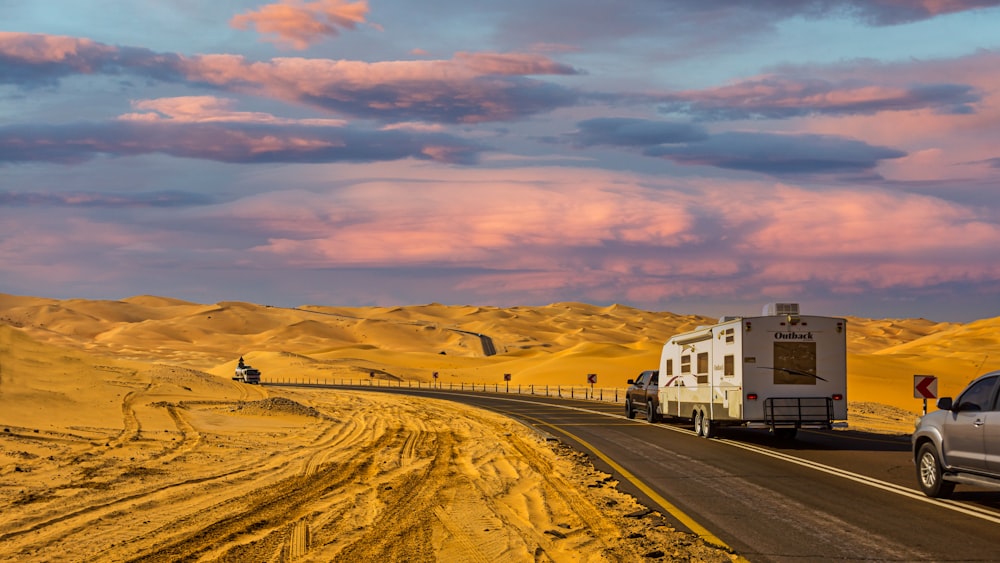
column 781, row 371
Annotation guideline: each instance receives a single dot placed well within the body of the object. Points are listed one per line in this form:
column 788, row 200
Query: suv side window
column 654, row 378
column 979, row 397
column 639, row 381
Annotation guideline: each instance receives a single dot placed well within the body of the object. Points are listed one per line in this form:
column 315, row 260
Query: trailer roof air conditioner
column 781, row 309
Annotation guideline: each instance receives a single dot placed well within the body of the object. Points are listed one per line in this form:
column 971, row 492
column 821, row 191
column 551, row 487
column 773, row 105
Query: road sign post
column 592, row 379
column 506, row 379
column 925, row 387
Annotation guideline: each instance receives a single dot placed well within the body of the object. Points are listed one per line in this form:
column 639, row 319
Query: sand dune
column 555, row 344
column 123, row 435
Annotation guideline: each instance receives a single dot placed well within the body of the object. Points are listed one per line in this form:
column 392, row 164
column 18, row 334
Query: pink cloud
column 470, row 88
column 209, row 109
column 856, row 224
column 519, row 64
column 203, row 129
column 779, row 96
column 446, row 222
column 938, row 7
column 298, row 24
column 315, row 76
column 603, row 232
column 940, row 145
column 37, row 48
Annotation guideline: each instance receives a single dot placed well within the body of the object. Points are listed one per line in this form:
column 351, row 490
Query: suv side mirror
column 945, row 403
column 630, row 382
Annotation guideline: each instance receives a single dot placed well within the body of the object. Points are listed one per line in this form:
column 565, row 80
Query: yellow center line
column 666, row 505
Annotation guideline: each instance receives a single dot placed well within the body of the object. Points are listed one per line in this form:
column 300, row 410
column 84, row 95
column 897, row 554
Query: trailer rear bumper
column 798, row 412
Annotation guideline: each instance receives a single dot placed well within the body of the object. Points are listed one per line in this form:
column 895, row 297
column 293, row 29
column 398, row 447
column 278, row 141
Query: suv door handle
column 979, row 422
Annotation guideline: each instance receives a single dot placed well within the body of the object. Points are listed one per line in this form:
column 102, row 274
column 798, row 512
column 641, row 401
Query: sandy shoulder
column 247, row 473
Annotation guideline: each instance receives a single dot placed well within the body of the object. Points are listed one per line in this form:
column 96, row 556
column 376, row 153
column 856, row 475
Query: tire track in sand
column 59, row 524
column 255, row 526
column 130, row 422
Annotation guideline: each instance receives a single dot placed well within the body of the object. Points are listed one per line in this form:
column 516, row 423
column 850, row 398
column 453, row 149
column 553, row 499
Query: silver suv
column 960, row 442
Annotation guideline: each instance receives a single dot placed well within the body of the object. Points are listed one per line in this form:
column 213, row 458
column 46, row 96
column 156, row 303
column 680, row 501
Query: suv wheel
column 930, row 473
column 629, row 413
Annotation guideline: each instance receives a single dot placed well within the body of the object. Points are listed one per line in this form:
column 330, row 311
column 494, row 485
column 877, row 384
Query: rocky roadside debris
column 645, row 532
column 275, row 406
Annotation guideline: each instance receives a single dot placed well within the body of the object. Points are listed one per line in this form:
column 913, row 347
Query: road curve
column 825, row 496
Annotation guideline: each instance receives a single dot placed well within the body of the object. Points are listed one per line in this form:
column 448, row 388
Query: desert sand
column 122, row 436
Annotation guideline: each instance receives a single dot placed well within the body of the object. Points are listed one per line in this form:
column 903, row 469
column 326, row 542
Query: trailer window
column 670, row 367
column 730, row 336
column 686, row 363
column 703, row 367
column 729, row 365
column 794, row 363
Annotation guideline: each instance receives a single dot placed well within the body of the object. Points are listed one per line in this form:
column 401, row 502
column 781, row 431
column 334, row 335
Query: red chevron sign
column 924, row 387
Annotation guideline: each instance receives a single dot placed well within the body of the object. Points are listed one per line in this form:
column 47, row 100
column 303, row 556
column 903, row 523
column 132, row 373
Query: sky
column 671, row 155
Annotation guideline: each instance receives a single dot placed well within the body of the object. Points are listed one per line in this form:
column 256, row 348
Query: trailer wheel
column 651, row 412
column 703, row 426
column 629, row 413
column 696, row 418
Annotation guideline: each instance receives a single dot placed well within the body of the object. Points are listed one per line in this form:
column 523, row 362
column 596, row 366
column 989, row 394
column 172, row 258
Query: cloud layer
column 479, row 154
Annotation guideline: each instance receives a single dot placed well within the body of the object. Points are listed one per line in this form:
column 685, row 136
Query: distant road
column 824, row 496
column 488, row 348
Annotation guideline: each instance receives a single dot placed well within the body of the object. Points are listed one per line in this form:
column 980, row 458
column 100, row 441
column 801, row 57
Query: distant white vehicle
column 246, row 373
column 781, row 371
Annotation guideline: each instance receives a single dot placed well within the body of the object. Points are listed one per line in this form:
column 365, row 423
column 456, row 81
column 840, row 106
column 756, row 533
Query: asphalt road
column 822, row 497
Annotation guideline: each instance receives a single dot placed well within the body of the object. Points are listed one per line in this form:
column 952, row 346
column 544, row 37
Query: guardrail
column 586, row 392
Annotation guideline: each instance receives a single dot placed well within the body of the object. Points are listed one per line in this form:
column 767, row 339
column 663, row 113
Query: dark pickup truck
column 643, row 394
